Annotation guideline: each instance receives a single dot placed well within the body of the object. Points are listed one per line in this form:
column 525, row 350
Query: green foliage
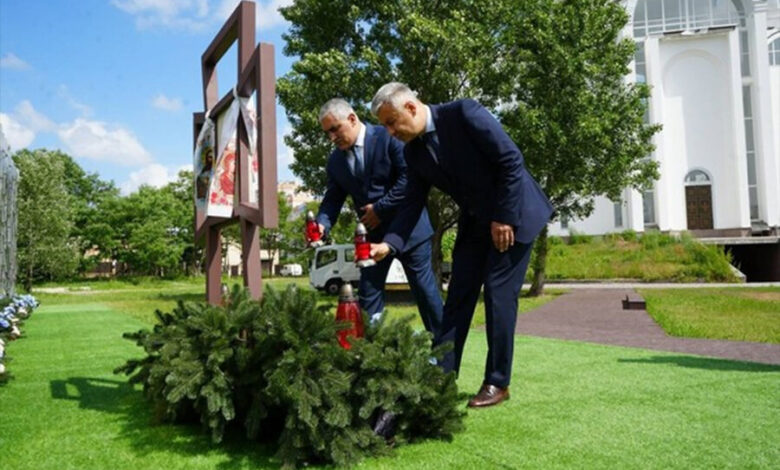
column 448, row 244
column 576, row 238
column 628, row 235
column 45, row 247
column 653, row 256
column 276, row 370
column 557, row 70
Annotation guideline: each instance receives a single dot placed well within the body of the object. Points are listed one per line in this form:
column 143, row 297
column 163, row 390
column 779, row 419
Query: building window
column 684, row 16
column 696, row 177
column 648, row 206
column 774, row 52
column 640, row 69
column 618, row 210
column 750, row 152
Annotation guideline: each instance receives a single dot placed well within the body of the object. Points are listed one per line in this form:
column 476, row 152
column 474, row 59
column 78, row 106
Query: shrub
column 579, row 238
column 628, row 235
column 275, row 368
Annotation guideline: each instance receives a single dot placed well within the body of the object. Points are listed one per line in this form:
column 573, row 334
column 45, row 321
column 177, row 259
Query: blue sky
column 114, row 83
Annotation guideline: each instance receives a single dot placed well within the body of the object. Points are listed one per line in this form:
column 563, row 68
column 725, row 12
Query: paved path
column 597, row 316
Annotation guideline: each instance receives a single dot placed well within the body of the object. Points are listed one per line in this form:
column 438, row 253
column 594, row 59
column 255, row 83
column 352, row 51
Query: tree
column 182, row 191
column 274, row 240
column 350, row 49
column 148, row 230
column 569, row 108
column 552, row 71
column 44, row 247
column 87, row 191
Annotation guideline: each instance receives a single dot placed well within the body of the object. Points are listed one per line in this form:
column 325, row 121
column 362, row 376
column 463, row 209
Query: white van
column 293, row 269
column 334, row 265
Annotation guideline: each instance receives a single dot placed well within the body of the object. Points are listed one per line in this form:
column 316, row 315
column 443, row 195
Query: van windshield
column 325, row 257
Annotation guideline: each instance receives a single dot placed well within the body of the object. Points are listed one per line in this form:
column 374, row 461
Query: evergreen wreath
column 276, row 369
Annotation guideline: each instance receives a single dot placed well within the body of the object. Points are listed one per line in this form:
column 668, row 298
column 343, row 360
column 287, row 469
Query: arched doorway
column 698, row 200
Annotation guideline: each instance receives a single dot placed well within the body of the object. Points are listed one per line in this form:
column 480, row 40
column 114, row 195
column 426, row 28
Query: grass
column 717, row 313
column 650, row 257
column 574, row 405
column 139, row 299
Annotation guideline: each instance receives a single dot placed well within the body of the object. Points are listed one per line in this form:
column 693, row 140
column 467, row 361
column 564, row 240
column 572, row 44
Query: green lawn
column 140, row 297
column 740, row 314
column 574, row 405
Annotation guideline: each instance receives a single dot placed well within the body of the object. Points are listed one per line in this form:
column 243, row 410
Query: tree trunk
column 540, row 265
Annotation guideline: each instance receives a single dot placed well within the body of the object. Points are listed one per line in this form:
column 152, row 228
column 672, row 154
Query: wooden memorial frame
column 255, row 74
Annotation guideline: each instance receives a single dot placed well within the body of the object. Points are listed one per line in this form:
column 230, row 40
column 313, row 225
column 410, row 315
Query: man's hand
column 503, row 235
column 370, row 219
column 379, row 251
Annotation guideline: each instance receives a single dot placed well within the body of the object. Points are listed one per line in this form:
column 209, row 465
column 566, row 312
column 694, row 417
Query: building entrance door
column 698, row 204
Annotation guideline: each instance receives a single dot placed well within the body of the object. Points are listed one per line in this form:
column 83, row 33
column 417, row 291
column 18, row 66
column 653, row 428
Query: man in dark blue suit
column 462, row 150
column 368, row 165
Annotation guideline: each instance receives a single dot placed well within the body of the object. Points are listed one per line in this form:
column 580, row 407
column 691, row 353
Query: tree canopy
column 553, row 72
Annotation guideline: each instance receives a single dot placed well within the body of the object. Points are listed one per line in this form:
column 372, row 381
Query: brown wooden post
column 255, row 74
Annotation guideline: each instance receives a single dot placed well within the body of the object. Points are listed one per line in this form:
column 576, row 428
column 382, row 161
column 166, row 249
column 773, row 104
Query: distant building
column 714, row 71
column 297, row 198
column 231, row 260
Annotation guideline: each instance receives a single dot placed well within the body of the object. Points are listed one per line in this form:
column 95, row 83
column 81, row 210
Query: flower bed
column 13, row 312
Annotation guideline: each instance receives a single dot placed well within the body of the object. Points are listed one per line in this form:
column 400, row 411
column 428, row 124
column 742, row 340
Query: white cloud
column 64, row 93
column 196, row 15
column 152, row 175
column 94, row 139
column 167, row 104
column 267, row 13
column 17, row 135
column 36, row 121
column 177, row 14
column 11, row 61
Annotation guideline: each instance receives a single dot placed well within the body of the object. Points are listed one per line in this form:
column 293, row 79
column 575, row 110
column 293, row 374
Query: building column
column 635, row 214
column 764, row 128
column 655, row 81
column 738, row 120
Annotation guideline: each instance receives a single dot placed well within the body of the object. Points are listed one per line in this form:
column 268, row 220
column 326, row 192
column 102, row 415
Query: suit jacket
column 480, row 167
column 383, row 185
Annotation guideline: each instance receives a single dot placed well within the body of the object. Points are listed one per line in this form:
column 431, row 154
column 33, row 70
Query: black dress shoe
column 489, row 395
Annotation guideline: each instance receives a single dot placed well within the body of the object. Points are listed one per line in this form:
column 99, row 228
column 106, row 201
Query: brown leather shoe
column 489, row 395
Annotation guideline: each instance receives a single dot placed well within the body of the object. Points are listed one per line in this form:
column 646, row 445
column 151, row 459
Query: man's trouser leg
column 422, row 282
column 468, row 263
column 371, row 291
column 503, row 280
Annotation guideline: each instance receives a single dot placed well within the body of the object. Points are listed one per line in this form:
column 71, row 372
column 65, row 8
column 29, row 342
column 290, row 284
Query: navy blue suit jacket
column 480, row 167
column 383, row 185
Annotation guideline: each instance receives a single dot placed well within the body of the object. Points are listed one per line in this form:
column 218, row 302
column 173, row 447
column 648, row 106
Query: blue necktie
column 431, row 141
column 358, row 167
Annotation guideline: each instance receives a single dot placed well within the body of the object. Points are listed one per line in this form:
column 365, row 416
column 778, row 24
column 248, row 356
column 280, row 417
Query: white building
column 297, row 198
column 714, row 71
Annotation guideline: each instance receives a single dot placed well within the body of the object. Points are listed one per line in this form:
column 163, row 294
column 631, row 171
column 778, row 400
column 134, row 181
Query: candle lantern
column 313, row 235
column 362, row 247
column 349, row 312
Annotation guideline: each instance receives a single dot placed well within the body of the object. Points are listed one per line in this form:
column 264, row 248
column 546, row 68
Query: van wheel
column 332, row 286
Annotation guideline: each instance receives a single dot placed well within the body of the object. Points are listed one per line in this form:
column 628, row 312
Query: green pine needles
column 275, row 368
